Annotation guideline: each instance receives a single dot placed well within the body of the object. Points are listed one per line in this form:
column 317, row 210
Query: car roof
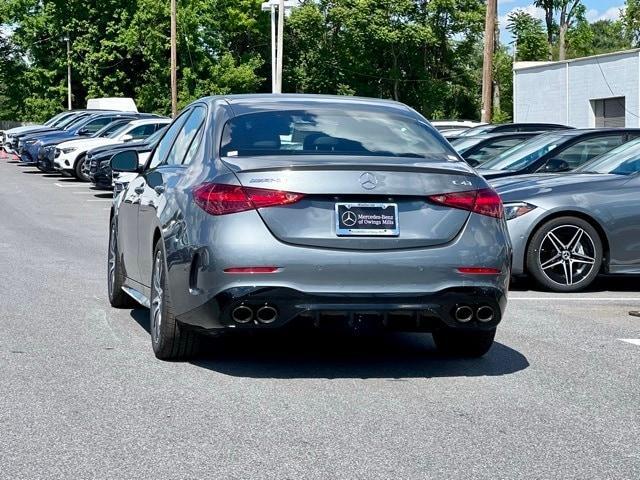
column 242, row 103
column 145, row 121
column 585, row 131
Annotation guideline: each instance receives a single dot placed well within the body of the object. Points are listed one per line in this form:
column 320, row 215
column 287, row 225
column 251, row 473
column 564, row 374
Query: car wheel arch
column 572, row 213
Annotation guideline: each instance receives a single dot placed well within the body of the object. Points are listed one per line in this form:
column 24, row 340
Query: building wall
column 561, row 92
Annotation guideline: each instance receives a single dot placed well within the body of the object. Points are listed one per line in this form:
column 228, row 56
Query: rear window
column 327, row 132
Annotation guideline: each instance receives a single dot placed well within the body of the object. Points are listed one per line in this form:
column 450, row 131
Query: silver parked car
column 567, row 228
column 268, row 211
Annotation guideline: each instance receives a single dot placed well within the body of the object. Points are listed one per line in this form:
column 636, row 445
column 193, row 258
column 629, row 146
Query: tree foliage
column 528, row 32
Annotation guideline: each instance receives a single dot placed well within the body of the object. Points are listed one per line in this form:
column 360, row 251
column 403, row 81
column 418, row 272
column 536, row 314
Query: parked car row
column 65, row 141
column 255, row 212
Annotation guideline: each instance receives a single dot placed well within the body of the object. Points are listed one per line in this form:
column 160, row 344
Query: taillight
column 484, row 201
column 222, row 199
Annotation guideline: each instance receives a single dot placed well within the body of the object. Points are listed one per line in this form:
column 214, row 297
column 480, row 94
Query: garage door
column 609, row 112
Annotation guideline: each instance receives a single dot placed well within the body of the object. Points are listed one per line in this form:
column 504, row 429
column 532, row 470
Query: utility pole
column 280, row 45
column 174, row 76
column 274, row 81
column 487, row 63
column 68, row 74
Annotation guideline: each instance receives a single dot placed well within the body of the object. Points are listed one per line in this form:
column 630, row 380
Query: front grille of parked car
column 93, row 164
column 58, row 153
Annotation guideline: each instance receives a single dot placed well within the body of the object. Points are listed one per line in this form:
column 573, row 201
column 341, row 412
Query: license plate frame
column 344, row 230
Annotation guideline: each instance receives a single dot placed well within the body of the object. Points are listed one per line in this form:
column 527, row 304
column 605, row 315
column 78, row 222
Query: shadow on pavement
column 604, row 283
column 141, row 316
column 104, row 195
column 310, row 355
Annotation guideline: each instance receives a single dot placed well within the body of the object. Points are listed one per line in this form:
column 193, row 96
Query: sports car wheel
column 565, row 254
column 169, row 340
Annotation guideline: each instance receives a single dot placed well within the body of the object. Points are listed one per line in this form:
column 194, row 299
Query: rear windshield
column 327, row 132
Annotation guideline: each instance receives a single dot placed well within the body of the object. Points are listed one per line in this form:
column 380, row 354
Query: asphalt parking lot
column 84, row 397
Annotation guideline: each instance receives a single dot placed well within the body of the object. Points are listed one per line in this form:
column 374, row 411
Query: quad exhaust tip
column 484, row 314
column 464, row 314
column 242, row 314
column 267, row 314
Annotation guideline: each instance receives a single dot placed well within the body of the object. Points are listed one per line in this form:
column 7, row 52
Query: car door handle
column 139, row 190
column 159, row 189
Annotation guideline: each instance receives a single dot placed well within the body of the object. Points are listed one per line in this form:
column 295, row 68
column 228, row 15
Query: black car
column 557, row 151
column 481, row 148
column 99, row 159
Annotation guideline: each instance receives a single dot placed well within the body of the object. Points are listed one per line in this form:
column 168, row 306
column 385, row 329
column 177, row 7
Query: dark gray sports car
column 567, row 228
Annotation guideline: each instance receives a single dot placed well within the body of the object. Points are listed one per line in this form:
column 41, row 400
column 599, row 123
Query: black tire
column 573, row 273
column 464, row 343
column 170, row 341
column 79, row 170
column 115, row 273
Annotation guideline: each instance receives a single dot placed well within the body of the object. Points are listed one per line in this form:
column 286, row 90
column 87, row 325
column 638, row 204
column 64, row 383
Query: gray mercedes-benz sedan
column 568, row 228
column 271, row 211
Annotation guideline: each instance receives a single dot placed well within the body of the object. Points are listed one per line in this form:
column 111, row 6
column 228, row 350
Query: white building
column 598, row 91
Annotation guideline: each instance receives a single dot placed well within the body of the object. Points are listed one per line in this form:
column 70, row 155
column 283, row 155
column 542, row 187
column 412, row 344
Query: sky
column 596, row 10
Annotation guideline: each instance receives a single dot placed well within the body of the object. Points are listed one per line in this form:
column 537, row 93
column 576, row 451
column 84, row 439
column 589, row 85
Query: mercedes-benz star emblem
column 349, row 218
column 368, row 181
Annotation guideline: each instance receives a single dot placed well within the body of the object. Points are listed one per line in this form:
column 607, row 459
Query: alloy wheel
column 156, row 299
column 567, row 254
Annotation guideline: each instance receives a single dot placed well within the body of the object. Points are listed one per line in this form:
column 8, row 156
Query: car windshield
column 623, row 160
column 463, row 144
column 55, row 119
column 70, row 122
column 524, row 154
column 330, row 132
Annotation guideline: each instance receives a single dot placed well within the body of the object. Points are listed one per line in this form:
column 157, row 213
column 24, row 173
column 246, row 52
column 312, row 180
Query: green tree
column 631, row 22
column 602, row 36
column 529, row 36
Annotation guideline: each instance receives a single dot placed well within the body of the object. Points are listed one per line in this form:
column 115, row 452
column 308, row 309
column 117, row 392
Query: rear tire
column 170, row 341
column 464, row 343
column 115, row 273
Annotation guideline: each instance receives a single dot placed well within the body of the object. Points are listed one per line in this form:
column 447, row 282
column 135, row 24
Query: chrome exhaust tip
column 267, row 314
column 464, row 314
column 242, row 314
column 484, row 314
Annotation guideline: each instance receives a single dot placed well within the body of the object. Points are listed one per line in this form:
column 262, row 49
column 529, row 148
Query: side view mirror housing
column 127, row 138
column 126, row 161
column 83, row 132
column 556, row 165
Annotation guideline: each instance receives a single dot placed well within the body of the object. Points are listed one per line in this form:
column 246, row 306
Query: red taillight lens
column 485, row 201
column 221, row 199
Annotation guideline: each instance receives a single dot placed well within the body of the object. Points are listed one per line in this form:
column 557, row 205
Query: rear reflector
column 251, row 270
column 485, row 201
column 221, row 199
column 479, row 271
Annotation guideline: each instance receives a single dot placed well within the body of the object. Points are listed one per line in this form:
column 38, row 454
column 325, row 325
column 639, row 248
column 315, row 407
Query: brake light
column 222, row 199
column 484, row 201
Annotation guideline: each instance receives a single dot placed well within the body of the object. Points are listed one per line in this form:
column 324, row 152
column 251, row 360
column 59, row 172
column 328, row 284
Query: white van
column 122, row 104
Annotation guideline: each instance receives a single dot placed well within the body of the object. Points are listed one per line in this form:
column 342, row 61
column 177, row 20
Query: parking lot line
column 90, row 192
column 73, row 185
column 100, row 200
column 633, row 341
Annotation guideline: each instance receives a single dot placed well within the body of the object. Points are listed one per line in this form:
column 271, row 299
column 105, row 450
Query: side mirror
column 83, row 132
column 127, row 138
column 556, row 165
column 126, row 161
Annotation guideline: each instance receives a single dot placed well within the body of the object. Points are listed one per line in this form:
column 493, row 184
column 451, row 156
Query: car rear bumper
column 397, row 311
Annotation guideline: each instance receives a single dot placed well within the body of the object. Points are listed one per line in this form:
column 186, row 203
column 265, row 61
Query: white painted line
column 72, row 185
column 579, row 299
column 100, row 200
column 632, row 341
